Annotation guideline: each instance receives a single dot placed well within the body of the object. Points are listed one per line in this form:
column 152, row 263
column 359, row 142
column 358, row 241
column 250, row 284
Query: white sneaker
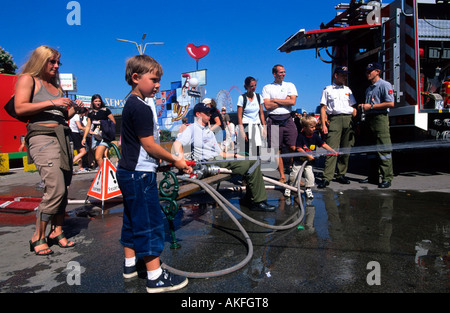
column 287, row 192
column 309, row 193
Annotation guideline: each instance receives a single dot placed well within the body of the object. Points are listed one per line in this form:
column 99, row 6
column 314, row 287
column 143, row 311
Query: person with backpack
column 98, row 113
column 251, row 121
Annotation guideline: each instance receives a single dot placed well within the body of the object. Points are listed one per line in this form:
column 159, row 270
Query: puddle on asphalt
column 406, row 232
column 353, row 226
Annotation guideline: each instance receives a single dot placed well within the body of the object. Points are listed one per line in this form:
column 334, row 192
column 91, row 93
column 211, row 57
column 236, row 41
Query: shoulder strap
column 244, row 100
column 32, row 90
column 258, row 97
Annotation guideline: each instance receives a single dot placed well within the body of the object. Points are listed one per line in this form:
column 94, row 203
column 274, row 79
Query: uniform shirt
column 201, row 141
column 338, row 99
column 251, row 111
column 379, row 92
column 279, row 91
column 137, row 121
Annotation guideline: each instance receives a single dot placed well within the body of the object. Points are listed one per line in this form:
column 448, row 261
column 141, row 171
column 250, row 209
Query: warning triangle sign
column 105, row 185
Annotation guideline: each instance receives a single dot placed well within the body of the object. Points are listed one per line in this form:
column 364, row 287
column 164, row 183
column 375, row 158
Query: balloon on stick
column 197, row 52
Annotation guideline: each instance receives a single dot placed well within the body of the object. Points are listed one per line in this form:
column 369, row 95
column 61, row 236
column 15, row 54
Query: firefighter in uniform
column 337, row 106
column 379, row 98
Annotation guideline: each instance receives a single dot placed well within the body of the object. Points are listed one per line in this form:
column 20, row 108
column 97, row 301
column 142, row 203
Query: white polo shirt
column 338, row 99
column 279, row 91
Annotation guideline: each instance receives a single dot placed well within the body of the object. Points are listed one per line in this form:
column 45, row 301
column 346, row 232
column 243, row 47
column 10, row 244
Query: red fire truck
column 411, row 39
column 11, row 129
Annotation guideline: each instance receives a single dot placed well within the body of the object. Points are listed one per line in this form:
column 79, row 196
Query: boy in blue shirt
column 307, row 141
column 143, row 227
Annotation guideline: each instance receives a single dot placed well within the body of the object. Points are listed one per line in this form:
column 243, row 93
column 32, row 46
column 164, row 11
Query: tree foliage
column 7, row 65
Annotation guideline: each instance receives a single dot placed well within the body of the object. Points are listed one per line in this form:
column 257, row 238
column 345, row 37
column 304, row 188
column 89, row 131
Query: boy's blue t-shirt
column 137, row 121
column 308, row 143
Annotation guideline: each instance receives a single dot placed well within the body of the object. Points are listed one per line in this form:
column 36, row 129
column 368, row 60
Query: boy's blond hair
column 141, row 64
column 308, row 120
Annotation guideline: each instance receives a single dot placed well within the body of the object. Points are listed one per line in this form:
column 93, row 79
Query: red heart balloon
column 197, row 52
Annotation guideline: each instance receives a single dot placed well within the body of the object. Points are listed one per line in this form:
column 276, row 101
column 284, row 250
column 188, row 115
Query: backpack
column 108, row 130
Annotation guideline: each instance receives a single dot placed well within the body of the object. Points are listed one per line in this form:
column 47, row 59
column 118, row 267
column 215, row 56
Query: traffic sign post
column 105, row 185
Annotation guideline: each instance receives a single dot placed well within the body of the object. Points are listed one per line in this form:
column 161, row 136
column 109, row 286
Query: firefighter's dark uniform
column 376, row 129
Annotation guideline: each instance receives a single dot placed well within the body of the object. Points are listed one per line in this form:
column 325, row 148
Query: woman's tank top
column 48, row 116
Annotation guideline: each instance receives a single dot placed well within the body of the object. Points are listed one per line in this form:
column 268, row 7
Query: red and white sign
column 105, row 185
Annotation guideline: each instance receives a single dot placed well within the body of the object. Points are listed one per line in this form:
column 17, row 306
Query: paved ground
column 354, row 238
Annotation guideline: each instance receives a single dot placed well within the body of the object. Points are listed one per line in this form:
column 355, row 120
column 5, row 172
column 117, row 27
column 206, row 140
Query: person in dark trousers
column 279, row 98
column 143, row 222
column 337, row 107
column 379, row 99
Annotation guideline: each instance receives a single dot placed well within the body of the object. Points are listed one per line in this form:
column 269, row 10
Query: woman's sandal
column 38, row 243
column 57, row 239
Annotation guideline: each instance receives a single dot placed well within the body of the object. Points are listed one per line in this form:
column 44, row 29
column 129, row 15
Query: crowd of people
column 40, row 97
column 285, row 130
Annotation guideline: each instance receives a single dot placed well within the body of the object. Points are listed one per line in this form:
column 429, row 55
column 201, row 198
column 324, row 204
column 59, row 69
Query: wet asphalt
column 354, row 238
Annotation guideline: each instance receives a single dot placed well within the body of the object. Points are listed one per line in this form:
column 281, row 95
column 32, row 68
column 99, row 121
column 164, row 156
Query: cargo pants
column 376, row 128
column 340, row 135
column 45, row 152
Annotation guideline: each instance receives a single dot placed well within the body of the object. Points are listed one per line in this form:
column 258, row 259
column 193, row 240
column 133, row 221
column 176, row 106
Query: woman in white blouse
column 251, row 121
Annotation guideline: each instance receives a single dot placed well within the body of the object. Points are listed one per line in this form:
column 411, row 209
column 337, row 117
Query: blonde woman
column 38, row 96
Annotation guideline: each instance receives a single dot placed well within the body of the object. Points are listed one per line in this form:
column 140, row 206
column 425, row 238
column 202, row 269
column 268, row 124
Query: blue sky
column 243, row 37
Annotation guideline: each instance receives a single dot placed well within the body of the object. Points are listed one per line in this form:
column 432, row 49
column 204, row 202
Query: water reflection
column 356, row 221
column 407, row 233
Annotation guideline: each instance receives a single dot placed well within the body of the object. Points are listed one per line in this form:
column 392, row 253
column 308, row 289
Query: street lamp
column 141, row 49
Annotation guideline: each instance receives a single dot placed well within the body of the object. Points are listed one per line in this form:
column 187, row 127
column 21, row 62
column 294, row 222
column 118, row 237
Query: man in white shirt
column 337, row 106
column 279, row 98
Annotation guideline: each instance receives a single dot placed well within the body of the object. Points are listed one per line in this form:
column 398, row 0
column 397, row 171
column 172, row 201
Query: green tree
column 7, row 65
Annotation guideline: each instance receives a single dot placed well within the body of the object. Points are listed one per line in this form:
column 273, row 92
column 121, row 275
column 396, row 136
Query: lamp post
column 140, row 47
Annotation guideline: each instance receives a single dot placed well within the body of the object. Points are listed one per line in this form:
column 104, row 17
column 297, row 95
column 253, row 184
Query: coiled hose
column 223, row 203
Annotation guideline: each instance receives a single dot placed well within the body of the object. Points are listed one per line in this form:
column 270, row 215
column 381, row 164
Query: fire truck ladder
column 389, row 55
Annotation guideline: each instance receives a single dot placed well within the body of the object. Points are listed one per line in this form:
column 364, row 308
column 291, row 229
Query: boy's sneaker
column 129, row 271
column 309, row 193
column 166, row 282
column 287, row 192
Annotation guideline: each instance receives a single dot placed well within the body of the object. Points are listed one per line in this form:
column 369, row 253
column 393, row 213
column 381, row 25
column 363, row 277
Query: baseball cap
column 201, row 107
column 373, row 66
column 206, row 101
column 341, row 70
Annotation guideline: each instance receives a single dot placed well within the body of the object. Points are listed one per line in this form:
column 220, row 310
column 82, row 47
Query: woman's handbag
column 11, row 110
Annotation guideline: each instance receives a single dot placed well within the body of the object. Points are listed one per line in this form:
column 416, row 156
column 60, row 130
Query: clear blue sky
column 243, row 37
